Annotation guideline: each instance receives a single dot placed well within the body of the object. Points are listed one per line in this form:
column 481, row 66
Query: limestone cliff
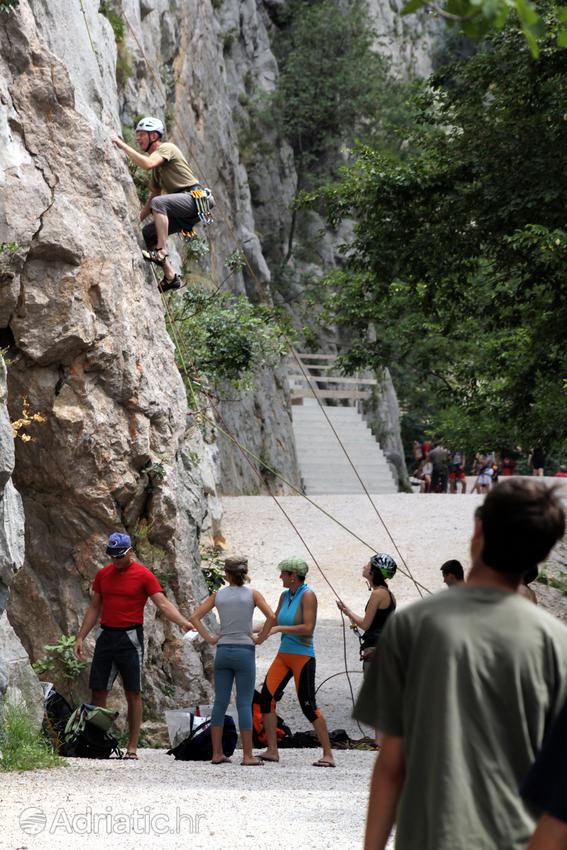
column 17, row 679
column 89, row 350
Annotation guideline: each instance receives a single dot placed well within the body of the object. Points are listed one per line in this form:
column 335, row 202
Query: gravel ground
column 159, row 804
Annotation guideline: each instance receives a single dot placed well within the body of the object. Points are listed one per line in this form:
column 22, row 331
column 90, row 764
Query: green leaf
column 412, row 6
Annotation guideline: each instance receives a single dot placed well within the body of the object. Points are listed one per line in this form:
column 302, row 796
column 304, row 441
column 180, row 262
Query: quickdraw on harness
column 356, row 630
column 205, row 202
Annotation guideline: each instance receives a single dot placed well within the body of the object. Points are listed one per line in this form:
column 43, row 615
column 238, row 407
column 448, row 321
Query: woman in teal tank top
column 296, row 616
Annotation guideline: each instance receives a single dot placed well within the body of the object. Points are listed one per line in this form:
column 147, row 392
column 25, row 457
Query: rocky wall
column 89, row 352
column 18, row 682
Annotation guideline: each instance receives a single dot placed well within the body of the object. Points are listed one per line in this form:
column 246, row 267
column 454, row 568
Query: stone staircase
column 323, row 464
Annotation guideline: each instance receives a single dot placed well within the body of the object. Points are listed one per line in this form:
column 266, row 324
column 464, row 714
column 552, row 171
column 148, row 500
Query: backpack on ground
column 258, row 732
column 56, row 713
column 87, row 733
column 198, row 746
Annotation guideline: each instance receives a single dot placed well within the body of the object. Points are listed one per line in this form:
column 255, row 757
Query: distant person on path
column 463, row 686
column 176, row 199
column 381, row 604
column 439, row 457
column 561, row 472
column 546, row 788
column 296, row 617
column 119, row 595
column 453, row 573
column 485, row 474
column 235, row 659
column 536, row 460
column 457, row 473
column 424, row 474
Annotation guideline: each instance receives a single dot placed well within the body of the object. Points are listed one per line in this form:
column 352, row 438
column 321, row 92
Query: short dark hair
column 453, row 568
column 521, row 522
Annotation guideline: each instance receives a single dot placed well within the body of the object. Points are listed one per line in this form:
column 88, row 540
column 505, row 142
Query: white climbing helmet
column 151, row 125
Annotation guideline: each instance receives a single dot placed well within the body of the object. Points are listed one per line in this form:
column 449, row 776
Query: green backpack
column 86, row 733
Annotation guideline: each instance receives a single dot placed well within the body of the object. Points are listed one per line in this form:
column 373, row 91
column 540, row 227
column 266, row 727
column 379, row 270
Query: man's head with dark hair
column 520, row 522
column 453, row 572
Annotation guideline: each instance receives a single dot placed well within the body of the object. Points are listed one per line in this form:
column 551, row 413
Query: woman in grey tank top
column 235, row 659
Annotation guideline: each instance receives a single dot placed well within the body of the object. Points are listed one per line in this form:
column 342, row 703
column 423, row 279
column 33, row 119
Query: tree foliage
column 332, row 85
column 459, row 263
column 476, row 18
column 228, row 337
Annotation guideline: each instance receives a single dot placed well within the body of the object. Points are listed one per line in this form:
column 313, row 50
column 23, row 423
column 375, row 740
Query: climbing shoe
column 154, row 256
column 167, row 285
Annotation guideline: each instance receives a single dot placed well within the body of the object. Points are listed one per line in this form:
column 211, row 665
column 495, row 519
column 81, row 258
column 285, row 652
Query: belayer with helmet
column 380, row 605
column 176, row 200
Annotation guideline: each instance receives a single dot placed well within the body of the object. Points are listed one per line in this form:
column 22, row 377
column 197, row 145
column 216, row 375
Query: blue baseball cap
column 118, row 544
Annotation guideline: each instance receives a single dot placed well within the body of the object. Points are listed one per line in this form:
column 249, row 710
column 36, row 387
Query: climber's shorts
column 118, row 651
column 181, row 210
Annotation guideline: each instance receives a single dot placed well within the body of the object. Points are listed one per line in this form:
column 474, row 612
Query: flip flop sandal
column 130, row 757
column 222, row 761
column 323, row 763
column 268, row 758
column 153, row 256
column 252, row 763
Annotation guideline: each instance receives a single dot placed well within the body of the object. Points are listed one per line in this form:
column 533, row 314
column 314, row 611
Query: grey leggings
column 234, row 661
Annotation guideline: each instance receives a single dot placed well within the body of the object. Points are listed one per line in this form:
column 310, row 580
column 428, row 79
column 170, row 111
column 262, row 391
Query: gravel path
column 159, row 804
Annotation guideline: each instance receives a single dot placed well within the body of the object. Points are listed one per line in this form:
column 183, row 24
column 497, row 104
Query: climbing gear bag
column 87, row 733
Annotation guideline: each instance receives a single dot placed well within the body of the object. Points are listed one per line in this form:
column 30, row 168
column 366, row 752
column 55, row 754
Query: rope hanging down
column 250, row 455
column 407, row 572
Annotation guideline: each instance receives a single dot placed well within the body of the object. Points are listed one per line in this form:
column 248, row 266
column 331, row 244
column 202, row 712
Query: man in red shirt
column 120, row 592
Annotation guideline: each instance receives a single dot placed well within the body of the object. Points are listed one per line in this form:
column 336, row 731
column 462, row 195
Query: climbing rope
column 407, row 571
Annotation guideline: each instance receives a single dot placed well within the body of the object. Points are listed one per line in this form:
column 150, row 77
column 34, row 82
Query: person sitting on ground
column 544, row 788
column 463, row 685
column 453, row 573
column 381, row 604
column 235, row 656
column 457, row 473
column 296, row 617
column 119, row 595
column 176, row 199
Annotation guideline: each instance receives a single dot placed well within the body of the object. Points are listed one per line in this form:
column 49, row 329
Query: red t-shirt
column 124, row 594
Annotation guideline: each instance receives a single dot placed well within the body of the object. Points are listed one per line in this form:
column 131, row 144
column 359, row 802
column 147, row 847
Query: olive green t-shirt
column 174, row 174
column 471, row 678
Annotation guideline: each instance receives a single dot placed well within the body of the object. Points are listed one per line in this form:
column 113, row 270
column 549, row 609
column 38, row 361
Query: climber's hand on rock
column 116, row 140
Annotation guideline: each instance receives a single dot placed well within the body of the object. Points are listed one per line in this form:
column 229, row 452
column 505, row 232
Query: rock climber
column 176, row 199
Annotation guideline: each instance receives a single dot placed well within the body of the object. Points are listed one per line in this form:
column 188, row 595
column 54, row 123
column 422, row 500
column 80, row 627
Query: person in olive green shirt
column 464, row 685
column 170, row 200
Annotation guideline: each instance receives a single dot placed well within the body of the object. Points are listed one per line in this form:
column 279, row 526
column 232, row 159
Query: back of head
column 453, row 568
column 237, row 567
column 521, row 522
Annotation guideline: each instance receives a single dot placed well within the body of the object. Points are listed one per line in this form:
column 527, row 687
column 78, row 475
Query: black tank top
column 375, row 628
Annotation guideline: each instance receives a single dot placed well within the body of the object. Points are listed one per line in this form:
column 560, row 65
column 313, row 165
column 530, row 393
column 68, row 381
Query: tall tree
column 460, row 257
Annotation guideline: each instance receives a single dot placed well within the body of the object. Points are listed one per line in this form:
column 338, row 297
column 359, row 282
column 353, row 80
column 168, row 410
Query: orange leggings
column 283, row 667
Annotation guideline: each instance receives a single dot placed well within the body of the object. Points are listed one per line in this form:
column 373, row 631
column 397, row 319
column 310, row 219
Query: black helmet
column 385, row 564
